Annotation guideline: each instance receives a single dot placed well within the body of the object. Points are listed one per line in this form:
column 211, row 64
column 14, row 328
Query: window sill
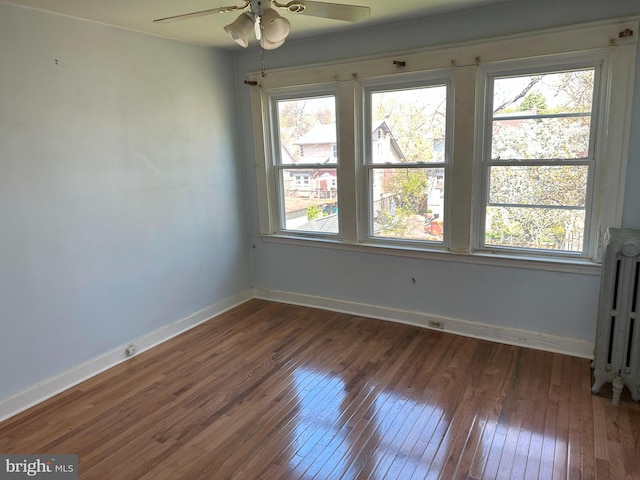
column 550, row 264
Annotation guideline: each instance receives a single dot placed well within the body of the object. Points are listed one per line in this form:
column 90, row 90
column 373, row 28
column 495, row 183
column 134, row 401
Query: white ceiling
column 139, row 15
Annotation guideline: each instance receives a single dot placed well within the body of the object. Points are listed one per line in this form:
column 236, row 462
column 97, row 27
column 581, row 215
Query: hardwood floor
column 275, row 391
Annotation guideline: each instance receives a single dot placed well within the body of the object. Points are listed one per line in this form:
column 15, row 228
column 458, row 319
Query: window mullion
column 615, row 120
column 460, row 191
column 348, row 157
column 265, row 174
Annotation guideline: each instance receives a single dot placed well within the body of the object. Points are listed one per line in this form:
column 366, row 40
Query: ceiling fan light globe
column 240, row 29
column 274, row 27
column 267, row 45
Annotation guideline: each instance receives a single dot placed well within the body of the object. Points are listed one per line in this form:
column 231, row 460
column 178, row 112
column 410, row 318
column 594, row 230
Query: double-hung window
column 538, row 157
column 492, row 151
column 405, row 164
column 305, row 167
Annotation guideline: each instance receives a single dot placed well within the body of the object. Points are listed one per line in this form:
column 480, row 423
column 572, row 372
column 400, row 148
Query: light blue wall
column 562, row 304
column 121, row 201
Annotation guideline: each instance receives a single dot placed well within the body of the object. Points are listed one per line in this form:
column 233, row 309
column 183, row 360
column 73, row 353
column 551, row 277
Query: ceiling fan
column 270, row 28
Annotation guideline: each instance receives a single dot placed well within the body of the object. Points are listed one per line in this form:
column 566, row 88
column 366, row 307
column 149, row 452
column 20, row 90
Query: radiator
column 617, row 346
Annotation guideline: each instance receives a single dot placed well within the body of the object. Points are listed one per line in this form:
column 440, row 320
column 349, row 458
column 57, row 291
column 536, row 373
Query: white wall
column 121, row 200
column 555, row 303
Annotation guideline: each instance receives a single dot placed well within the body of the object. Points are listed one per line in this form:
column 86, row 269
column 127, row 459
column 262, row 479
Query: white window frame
column 274, row 168
column 468, row 64
column 598, row 60
column 426, row 79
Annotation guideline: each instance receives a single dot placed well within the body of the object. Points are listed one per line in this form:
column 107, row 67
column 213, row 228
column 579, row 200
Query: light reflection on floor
column 332, row 439
column 398, row 436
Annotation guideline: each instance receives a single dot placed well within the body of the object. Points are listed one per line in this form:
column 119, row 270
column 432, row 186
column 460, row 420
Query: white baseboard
column 15, row 404
column 494, row 333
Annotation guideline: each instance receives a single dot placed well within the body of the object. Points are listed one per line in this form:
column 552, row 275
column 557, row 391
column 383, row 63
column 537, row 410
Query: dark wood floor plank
column 274, row 391
column 561, row 453
column 500, row 372
column 517, row 431
column 537, row 415
column 587, row 433
column 450, row 397
column 482, row 386
column 576, row 415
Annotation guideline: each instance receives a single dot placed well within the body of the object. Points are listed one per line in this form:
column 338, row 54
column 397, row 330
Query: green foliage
column 409, row 188
column 402, row 212
column 313, row 212
column 534, row 101
column 394, row 225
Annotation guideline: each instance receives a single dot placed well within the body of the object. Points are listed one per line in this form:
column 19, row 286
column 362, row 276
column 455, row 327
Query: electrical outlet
column 436, row 324
column 131, row 350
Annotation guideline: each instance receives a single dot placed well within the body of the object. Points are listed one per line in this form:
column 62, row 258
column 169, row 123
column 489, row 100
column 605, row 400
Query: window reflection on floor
column 405, row 435
column 331, row 438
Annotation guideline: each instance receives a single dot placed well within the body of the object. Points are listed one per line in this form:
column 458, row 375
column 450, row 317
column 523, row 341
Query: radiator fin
column 614, row 305
column 636, row 287
column 612, row 333
column 630, row 343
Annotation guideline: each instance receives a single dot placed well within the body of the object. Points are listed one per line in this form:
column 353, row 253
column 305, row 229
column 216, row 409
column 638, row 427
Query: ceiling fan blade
column 202, row 13
column 336, row 11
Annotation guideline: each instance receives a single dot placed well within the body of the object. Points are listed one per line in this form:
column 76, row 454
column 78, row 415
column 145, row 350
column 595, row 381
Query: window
column 499, row 150
column 405, row 163
column 538, row 160
column 306, row 169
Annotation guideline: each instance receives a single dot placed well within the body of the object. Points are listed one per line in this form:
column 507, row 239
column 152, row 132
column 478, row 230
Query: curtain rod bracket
column 627, row 32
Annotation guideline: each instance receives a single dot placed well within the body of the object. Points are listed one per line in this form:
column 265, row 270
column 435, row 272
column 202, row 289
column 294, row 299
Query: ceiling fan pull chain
column 260, row 27
column 264, row 74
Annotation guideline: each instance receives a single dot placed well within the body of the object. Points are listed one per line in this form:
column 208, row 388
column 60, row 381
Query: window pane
column 564, row 185
column 537, row 228
column 408, row 203
column 310, row 199
column 541, row 138
column 307, row 129
column 408, row 125
column 559, row 92
column 542, row 116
